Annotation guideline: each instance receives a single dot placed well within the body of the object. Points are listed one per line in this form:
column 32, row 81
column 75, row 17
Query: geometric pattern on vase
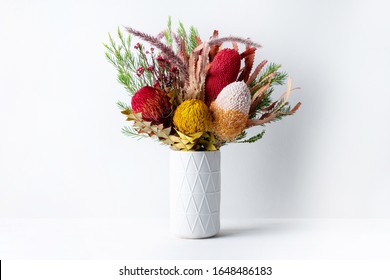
column 195, row 190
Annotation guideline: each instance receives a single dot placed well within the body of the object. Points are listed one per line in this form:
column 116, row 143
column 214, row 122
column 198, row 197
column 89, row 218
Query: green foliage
column 126, row 63
column 192, row 43
column 254, row 138
column 282, row 112
column 241, row 136
column 278, row 79
column 122, row 106
column 131, row 132
column 168, row 34
column 264, row 102
column 189, row 40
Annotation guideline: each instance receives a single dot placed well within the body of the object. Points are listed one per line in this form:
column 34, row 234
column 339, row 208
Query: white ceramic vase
column 195, row 193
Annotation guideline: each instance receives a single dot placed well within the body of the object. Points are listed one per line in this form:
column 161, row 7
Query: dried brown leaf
column 296, row 107
column 126, row 112
column 183, row 53
column 261, row 121
column 249, row 55
column 268, row 77
column 256, row 72
column 198, row 40
column 270, row 107
column 257, row 97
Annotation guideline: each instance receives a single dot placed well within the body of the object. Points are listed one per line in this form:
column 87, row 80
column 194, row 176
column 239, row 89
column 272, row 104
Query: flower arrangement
column 196, row 95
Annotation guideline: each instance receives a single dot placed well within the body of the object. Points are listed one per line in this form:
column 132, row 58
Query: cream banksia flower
column 230, row 111
column 192, row 116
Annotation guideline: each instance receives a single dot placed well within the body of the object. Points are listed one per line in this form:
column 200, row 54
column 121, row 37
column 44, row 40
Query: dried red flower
column 153, row 104
column 223, row 71
column 140, row 71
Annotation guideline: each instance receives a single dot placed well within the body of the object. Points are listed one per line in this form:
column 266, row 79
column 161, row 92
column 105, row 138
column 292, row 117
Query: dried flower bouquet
column 196, row 95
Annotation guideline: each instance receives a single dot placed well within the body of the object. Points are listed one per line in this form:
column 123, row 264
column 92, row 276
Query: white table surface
column 150, row 239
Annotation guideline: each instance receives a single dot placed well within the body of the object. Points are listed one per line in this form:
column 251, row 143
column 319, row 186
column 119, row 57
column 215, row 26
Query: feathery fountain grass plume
column 166, row 50
column 219, row 41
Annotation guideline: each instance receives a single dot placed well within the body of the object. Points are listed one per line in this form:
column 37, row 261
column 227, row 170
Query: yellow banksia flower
column 192, row 116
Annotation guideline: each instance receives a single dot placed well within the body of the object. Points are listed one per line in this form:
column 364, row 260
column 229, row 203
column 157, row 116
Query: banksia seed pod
column 192, row 116
column 235, row 96
column 230, row 111
column 153, row 104
column 223, row 71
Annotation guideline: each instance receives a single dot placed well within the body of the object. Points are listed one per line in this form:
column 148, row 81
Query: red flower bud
column 140, row 71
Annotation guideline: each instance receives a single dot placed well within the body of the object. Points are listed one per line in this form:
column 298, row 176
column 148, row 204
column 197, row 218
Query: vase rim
column 176, row 151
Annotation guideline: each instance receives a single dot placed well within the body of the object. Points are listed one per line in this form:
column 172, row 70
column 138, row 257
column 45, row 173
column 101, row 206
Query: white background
column 62, row 153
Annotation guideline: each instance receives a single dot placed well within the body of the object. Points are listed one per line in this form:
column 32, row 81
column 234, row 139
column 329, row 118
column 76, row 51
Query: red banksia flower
column 223, row 71
column 153, row 104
